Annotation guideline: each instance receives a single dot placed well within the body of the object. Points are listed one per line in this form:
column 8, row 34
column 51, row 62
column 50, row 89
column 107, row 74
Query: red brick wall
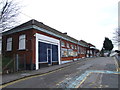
column 15, row 45
column 30, row 52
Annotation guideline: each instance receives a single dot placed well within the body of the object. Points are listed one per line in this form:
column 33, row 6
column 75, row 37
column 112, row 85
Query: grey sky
column 89, row 20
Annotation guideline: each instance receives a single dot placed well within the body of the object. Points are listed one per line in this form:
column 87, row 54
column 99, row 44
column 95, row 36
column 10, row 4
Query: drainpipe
column 60, row 51
column 32, row 53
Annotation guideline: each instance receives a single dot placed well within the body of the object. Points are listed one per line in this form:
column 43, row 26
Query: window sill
column 22, row 49
column 8, row 50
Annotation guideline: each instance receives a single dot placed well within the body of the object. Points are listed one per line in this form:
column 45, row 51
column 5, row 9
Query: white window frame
column 64, row 52
column 68, row 45
column 9, row 44
column 62, row 43
column 78, row 49
column 22, row 42
column 72, row 46
column 75, row 47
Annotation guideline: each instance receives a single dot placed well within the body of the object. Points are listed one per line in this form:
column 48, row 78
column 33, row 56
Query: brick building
column 34, row 44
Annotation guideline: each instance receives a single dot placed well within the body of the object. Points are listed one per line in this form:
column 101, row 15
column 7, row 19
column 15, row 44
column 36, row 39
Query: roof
column 91, row 45
column 83, row 42
column 34, row 24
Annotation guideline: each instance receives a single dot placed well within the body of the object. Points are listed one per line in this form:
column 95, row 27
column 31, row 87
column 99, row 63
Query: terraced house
column 34, row 44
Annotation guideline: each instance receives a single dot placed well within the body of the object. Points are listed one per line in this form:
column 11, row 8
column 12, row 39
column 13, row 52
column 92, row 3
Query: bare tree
column 9, row 10
column 116, row 38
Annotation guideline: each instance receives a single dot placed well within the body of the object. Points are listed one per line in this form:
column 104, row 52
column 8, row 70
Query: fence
column 14, row 63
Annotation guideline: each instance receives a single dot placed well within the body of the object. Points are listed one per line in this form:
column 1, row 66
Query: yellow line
column 59, row 82
column 83, row 80
column 86, row 78
column 91, row 83
column 116, row 64
column 95, row 87
column 13, row 82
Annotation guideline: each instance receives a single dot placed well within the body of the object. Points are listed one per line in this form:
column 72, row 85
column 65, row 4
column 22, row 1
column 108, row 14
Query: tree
column 102, row 52
column 107, row 45
column 116, row 38
column 9, row 10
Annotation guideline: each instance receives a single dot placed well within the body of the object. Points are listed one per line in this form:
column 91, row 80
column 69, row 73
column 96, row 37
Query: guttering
column 40, row 29
column 51, row 33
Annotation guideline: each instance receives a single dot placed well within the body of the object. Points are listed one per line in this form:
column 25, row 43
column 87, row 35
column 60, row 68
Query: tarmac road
column 90, row 73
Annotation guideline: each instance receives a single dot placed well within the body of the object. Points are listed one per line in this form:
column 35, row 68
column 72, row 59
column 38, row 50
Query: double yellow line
column 33, row 76
column 29, row 77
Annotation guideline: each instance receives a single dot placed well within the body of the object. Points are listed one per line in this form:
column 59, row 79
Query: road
column 89, row 73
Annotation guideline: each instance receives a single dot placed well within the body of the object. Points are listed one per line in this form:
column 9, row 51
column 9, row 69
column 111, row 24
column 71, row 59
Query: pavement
column 19, row 75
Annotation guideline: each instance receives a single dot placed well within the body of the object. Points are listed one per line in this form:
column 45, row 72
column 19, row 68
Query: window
column 75, row 47
column 62, row 44
column 22, row 39
column 90, row 51
column 81, row 50
column 9, row 44
column 68, row 46
column 72, row 46
column 87, row 51
column 74, row 53
column 64, row 52
column 84, row 50
column 78, row 49
column 70, row 52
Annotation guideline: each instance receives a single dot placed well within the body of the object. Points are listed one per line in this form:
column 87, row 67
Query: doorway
column 49, row 56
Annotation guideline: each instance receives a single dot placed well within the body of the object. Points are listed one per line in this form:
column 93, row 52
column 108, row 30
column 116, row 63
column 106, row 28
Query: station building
column 34, row 44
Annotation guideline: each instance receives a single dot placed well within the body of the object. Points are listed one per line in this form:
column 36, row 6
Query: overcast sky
column 89, row 20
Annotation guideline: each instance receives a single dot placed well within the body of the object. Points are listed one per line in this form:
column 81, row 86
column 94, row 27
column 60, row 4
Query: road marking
column 83, row 80
column 116, row 64
column 60, row 82
column 95, row 87
column 97, row 71
column 29, row 77
column 79, row 80
column 92, row 83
